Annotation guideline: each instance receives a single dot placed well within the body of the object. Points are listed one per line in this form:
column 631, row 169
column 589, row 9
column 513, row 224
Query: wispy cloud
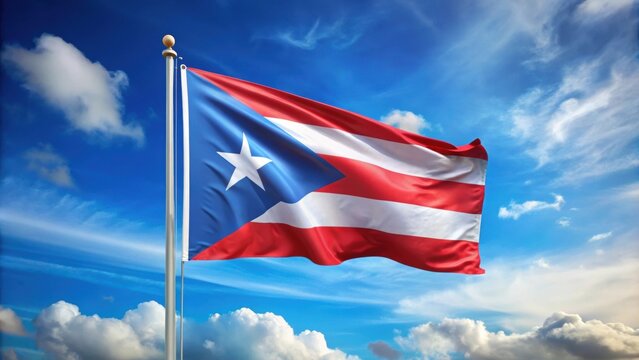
column 496, row 27
column 49, row 165
column 415, row 9
column 582, row 125
column 628, row 193
column 519, row 295
column 86, row 274
column 563, row 221
column 515, row 210
column 599, row 237
column 577, row 121
column 46, row 215
column 128, row 248
column 295, row 278
column 590, row 10
column 406, row 120
column 334, row 34
column 87, row 93
column 585, row 124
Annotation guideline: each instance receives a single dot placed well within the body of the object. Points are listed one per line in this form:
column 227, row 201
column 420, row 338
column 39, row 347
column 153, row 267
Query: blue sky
column 550, row 88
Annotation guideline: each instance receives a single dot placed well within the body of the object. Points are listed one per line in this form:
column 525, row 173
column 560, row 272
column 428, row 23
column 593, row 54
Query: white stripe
column 325, row 209
column 408, row 159
column 186, row 163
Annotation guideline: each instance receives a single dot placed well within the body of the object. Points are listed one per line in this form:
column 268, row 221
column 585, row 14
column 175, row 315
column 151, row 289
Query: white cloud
column 335, row 33
column 64, row 333
column 49, row 165
column 563, row 221
column 542, row 263
column 562, row 336
column 515, row 210
column 10, row 323
column 598, row 9
column 406, row 120
column 87, row 93
column 384, row 351
column 519, row 295
column 243, row 334
column 599, row 237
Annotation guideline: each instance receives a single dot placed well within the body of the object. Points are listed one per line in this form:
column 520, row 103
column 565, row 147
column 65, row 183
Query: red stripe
column 271, row 102
column 373, row 182
column 333, row 245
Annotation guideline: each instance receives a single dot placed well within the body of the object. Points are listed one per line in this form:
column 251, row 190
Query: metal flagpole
column 169, row 277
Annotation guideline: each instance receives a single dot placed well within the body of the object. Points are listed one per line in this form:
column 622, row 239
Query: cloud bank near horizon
column 63, row 332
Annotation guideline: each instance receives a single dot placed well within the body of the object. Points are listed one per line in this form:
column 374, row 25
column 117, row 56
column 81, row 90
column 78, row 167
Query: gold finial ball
column 168, row 41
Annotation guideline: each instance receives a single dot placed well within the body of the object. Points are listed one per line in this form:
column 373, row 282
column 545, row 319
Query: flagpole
column 169, row 277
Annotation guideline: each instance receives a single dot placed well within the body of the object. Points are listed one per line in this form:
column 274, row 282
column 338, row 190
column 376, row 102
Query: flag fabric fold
column 272, row 174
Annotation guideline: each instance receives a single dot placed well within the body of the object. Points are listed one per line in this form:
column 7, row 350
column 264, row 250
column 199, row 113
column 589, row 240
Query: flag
column 271, row 174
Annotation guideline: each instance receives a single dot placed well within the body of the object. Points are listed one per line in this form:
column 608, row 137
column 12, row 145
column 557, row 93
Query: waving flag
column 271, row 174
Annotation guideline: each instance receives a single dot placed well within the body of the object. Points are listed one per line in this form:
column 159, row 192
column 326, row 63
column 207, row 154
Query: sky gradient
column 550, row 88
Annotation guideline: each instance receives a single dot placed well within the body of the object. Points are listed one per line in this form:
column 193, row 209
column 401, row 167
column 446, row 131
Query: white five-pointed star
column 245, row 164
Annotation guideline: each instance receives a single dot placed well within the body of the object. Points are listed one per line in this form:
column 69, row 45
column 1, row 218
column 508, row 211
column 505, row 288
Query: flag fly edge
column 186, row 164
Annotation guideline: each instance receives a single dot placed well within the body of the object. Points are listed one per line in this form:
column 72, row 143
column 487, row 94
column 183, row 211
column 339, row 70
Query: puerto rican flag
column 271, row 174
